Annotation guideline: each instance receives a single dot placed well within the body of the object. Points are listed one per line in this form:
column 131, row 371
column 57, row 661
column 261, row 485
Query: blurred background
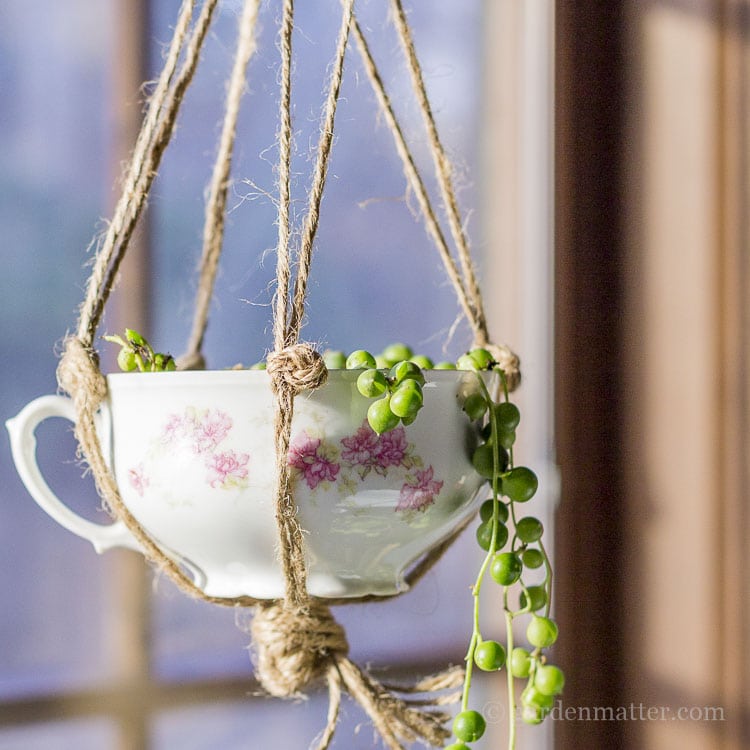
column 601, row 155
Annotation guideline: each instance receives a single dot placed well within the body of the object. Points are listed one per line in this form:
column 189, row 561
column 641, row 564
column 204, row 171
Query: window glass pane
column 53, row 173
column 91, row 734
column 283, row 725
column 376, row 277
column 196, row 640
column 430, row 624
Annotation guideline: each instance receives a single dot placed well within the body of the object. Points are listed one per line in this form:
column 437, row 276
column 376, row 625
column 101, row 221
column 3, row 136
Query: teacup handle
column 23, row 446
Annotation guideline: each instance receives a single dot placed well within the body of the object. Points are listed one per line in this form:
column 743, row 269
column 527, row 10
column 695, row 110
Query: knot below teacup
column 78, row 374
column 299, row 368
column 295, row 646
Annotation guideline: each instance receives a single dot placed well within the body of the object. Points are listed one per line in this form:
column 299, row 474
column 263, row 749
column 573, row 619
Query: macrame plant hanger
column 297, row 640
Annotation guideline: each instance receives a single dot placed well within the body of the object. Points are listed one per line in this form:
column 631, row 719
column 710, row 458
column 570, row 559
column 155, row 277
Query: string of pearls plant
column 515, row 549
column 512, row 540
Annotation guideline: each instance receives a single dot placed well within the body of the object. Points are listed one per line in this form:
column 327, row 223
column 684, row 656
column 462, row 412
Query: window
column 97, row 652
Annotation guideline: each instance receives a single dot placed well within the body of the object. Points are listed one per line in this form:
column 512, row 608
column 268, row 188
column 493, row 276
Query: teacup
column 193, row 456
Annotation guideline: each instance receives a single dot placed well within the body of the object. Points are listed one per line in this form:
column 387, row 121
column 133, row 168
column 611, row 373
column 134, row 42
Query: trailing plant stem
column 511, row 687
column 476, row 636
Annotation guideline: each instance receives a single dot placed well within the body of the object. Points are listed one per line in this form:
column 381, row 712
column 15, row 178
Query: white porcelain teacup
column 193, row 456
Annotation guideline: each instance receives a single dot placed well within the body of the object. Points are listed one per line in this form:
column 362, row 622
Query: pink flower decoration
column 176, row 428
column 138, row 479
column 210, row 431
column 224, row 467
column 418, row 493
column 360, row 447
column 308, row 457
column 391, row 447
column 370, row 451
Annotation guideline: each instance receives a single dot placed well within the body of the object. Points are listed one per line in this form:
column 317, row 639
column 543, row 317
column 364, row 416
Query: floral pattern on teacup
column 366, row 450
column 227, row 469
column 314, row 460
column 419, row 491
column 200, row 431
column 138, row 479
column 317, row 461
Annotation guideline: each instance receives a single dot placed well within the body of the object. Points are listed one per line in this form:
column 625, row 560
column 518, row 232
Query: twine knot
column 509, row 363
column 78, row 374
column 296, row 368
column 295, row 646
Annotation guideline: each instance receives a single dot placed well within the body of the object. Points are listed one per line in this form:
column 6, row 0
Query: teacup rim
column 205, row 377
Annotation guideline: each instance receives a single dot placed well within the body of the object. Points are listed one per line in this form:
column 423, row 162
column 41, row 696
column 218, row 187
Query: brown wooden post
column 130, row 306
column 653, row 385
column 589, row 361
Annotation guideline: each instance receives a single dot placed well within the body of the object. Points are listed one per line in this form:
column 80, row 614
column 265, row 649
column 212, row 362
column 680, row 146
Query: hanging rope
column 415, row 181
column 152, row 140
column 294, row 367
column 213, row 227
column 443, row 171
column 78, row 373
column 297, row 639
column 464, row 281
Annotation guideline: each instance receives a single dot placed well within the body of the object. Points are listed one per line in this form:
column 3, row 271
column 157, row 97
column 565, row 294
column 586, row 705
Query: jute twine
column 153, row 138
column 297, row 640
column 303, row 644
column 213, row 225
column 464, row 281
